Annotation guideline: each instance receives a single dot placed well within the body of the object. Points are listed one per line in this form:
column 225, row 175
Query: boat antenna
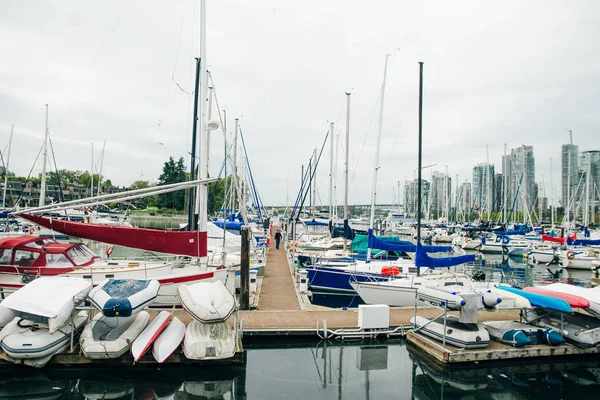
column 420, row 161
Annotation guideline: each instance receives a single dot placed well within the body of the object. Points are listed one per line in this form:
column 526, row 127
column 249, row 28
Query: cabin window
column 453, row 284
column 25, row 258
column 57, row 260
column 80, row 255
column 5, row 257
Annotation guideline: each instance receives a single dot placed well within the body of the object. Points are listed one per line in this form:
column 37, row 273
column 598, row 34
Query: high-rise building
column 439, row 195
column 463, row 202
column 498, row 187
column 569, row 161
column 483, row 188
column 411, row 198
column 520, row 179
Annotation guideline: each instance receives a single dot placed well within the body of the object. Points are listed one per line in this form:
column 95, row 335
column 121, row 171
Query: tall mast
column 191, row 220
column 101, row 165
column 6, row 166
column 332, row 141
column 92, row 174
column 202, row 191
column 45, row 161
column 551, row 197
column 586, row 215
column 235, row 166
column 314, row 184
column 420, row 154
column 346, row 168
column 505, row 186
column 374, row 192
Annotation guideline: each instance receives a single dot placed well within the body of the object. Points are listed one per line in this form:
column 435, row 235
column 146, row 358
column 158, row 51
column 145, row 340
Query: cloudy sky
column 509, row 72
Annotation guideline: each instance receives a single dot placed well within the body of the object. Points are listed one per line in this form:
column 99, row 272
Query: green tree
column 173, row 172
column 216, row 195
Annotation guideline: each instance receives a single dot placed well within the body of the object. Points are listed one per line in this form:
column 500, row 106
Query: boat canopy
column 422, row 259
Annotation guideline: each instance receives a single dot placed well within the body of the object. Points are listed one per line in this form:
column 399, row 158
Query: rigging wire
column 178, row 49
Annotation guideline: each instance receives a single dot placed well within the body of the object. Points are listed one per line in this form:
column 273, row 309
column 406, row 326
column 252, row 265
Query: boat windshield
column 5, row 256
column 81, row 255
column 25, row 258
column 57, row 261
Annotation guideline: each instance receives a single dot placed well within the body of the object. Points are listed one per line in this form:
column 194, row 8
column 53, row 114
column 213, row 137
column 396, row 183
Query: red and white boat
column 24, row 258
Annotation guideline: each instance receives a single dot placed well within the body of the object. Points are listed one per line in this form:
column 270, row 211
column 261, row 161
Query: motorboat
column 124, row 297
column 31, row 339
column 579, row 257
column 453, row 332
column 518, row 334
column 111, row 337
column 50, row 300
column 207, row 302
column 577, row 328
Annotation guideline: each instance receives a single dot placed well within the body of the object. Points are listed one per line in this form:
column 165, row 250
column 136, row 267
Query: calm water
column 314, row 370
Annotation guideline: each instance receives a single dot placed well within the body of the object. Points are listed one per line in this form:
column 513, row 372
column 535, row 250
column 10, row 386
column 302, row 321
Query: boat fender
column 505, row 240
column 466, row 240
column 109, row 251
column 553, row 337
column 482, row 240
column 570, row 255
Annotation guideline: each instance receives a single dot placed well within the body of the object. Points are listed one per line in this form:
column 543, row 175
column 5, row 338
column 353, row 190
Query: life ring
column 31, row 230
column 505, row 240
column 108, row 251
column 570, row 255
column 498, row 238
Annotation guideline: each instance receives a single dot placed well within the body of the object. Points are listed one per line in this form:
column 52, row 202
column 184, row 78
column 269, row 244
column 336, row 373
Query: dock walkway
column 278, row 289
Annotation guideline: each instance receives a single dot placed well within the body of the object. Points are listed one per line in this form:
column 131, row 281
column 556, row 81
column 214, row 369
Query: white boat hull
column 209, row 341
column 475, row 338
column 143, row 342
column 169, row 340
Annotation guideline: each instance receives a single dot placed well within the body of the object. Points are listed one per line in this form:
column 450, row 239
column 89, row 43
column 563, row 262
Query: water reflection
column 314, row 370
column 558, row 379
column 123, row 383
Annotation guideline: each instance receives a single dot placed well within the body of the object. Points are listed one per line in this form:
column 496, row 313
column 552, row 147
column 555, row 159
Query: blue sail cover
column 230, row 225
column 422, row 259
column 583, row 242
column 316, row 223
column 401, row 245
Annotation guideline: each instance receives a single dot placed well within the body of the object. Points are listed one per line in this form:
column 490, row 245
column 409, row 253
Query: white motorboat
column 30, row 339
column 207, row 302
column 124, row 297
column 111, row 337
column 518, row 334
column 401, row 292
column 209, row 341
column 579, row 258
column 466, row 336
column 51, row 298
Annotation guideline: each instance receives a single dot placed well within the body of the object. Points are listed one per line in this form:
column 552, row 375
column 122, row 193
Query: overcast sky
column 514, row 72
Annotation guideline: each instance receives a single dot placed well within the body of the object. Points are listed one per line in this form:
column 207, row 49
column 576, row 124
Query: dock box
column 373, row 316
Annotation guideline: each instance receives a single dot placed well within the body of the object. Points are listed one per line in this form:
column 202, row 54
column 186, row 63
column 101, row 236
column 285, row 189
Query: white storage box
column 373, row 316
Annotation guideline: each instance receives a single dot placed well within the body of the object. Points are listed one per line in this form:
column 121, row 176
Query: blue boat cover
column 123, row 288
column 316, row 223
column 583, row 242
column 402, row 245
column 422, row 259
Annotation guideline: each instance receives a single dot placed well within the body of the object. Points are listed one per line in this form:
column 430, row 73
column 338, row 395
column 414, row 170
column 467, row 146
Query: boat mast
column 101, row 165
column 201, row 202
column 586, row 215
column 191, row 220
column 332, row 141
column 374, row 191
column 420, row 154
column 314, row 184
column 346, row 227
column 42, row 201
column 92, row 174
column 551, row 197
column 6, row 166
column 505, row 188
